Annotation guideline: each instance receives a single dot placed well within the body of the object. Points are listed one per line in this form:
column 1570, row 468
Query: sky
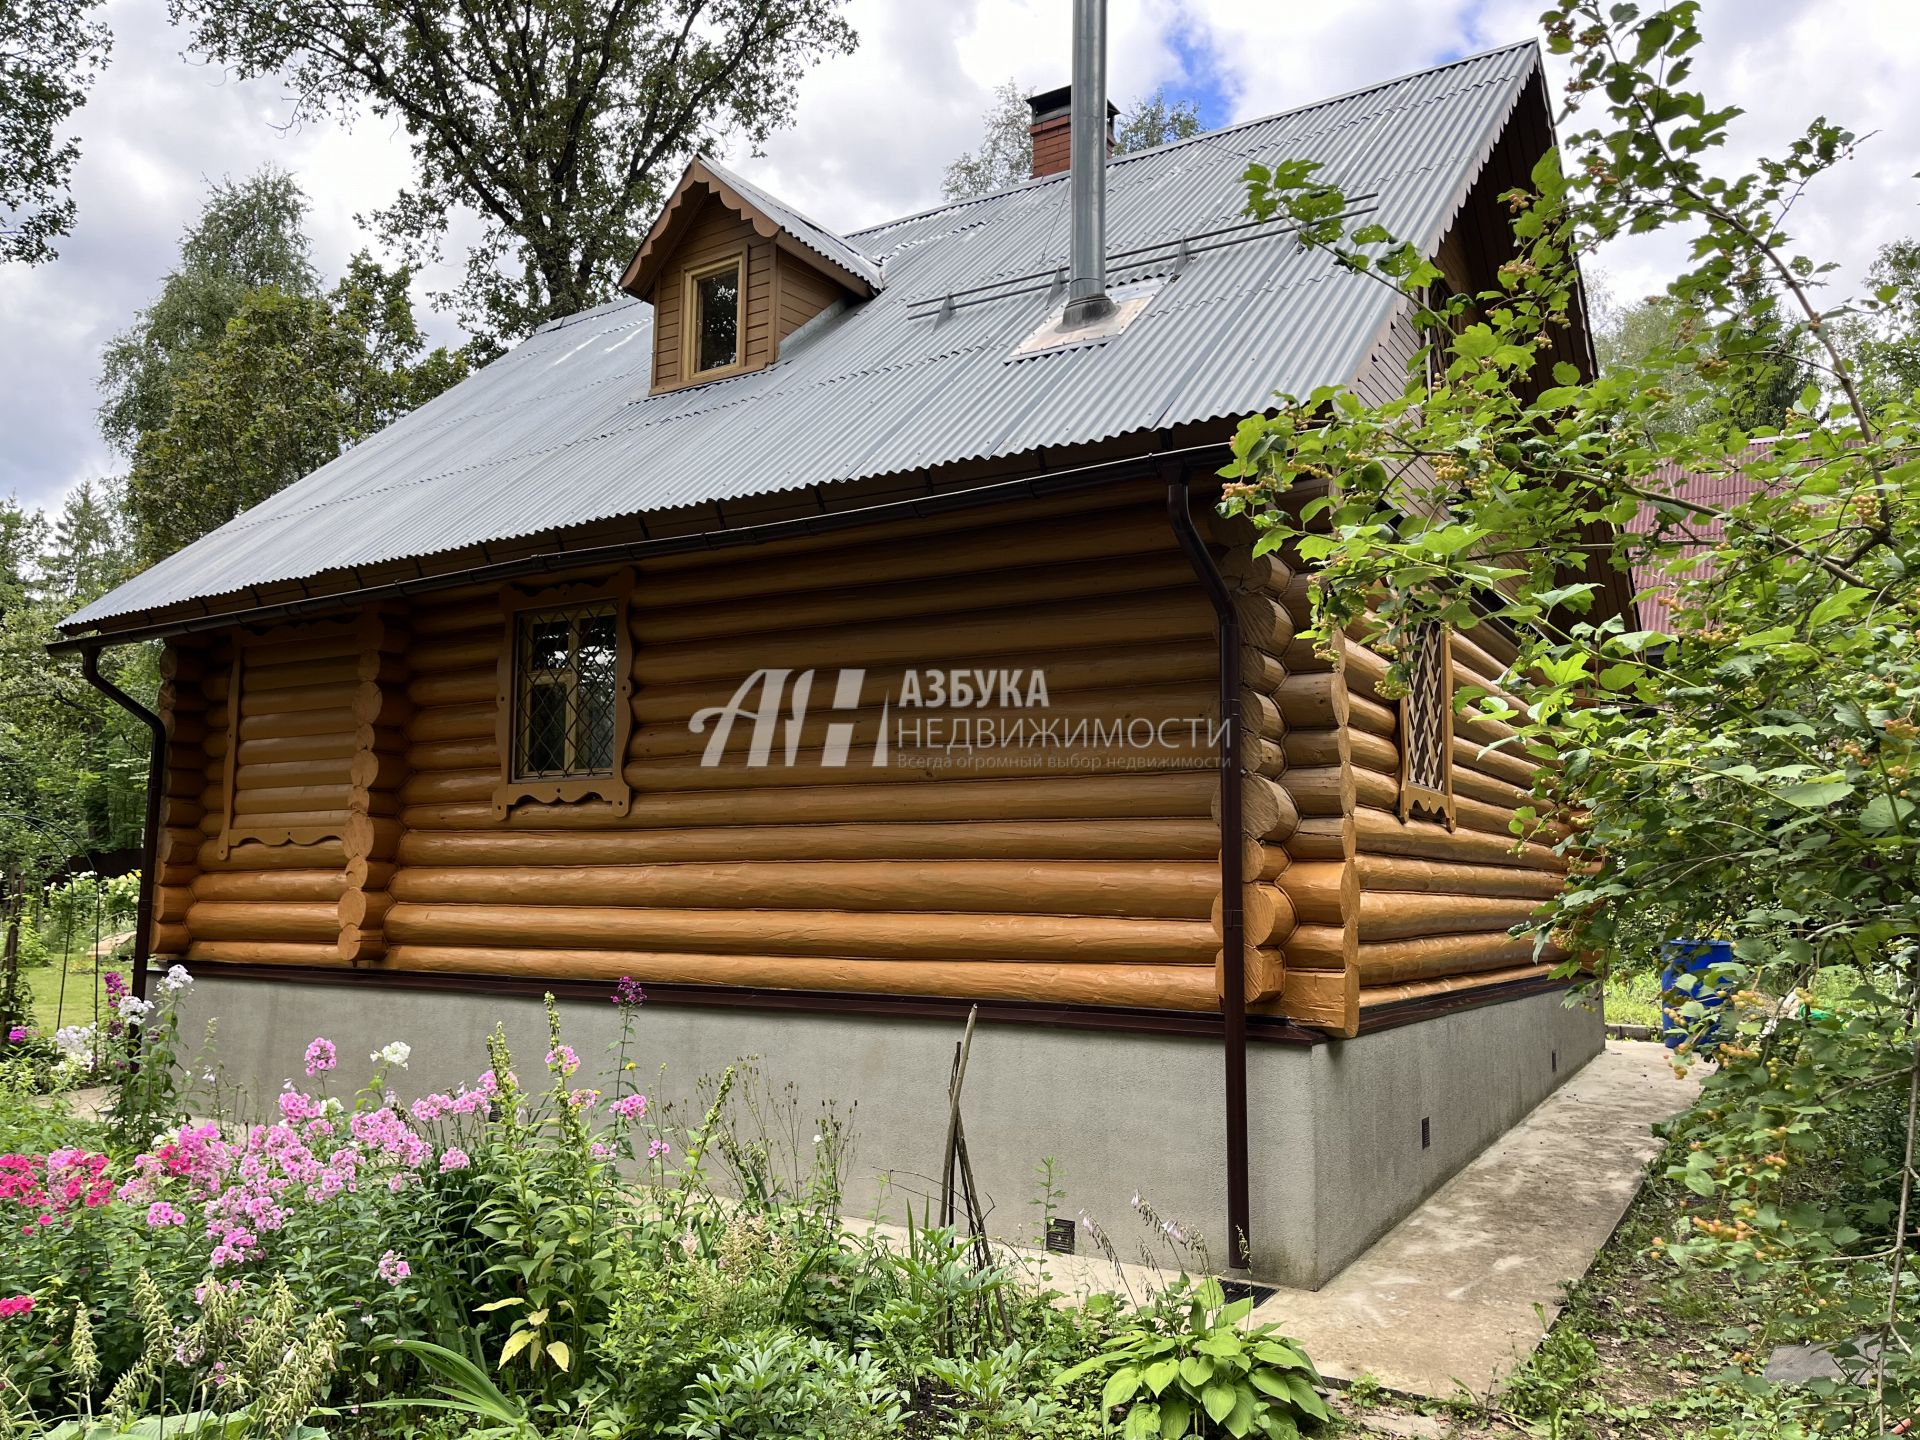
column 873, row 132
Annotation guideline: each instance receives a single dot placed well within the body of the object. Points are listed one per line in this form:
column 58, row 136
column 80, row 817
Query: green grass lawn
column 50, row 1011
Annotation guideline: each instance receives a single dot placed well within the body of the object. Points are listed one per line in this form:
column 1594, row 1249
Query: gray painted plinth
column 1336, row 1129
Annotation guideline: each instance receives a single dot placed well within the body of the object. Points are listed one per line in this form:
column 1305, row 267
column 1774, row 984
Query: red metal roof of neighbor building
column 1656, row 584
column 560, row 432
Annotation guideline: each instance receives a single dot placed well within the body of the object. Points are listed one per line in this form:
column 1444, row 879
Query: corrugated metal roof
column 560, row 431
column 810, row 233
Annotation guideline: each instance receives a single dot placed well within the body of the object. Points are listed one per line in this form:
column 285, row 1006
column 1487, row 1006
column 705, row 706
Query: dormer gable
column 731, row 272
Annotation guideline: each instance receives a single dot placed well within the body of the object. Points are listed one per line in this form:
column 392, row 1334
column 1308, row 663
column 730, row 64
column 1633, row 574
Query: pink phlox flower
column 452, row 1159
column 583, row 1100
column 393, row 1268
column 429, row 1108
column 563, row 1059
column 15, row 1305
column 321, row 1056
column 629, row 1107
column 161, row 1215
column 658, row 1150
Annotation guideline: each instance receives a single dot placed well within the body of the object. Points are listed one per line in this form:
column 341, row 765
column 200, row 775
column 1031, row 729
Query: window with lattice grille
column 1426, row 728
column 564, row 679
column 565, row 693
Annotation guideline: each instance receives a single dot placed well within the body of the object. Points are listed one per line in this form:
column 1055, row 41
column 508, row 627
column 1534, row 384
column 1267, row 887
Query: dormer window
column 715, row 302
column 731, row 273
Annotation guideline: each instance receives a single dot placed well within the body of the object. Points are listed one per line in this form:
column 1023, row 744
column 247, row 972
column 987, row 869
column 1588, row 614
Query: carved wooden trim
column 613, row 787
column 1426, row 730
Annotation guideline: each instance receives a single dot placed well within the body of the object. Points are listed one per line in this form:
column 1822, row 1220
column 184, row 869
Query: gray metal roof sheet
column 560, row 431
column 810, row 233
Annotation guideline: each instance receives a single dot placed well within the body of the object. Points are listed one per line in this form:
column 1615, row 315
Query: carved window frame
column 512, row 789
column 1426, row 728
column 690, row 373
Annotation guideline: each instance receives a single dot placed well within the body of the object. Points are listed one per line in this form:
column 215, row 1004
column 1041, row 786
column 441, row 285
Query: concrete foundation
column 1346, row 1137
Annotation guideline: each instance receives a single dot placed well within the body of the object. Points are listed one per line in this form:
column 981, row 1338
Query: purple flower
column 321, row 1055
column 627, row 994
column 17, row 1034
column 393, row 1268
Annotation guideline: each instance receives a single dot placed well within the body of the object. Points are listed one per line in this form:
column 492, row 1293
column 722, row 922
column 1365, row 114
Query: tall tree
column 248, row 236
column 1883, row 341
column 51, row 51
column 291, row 382
column 1005, row 156
column 560, row 122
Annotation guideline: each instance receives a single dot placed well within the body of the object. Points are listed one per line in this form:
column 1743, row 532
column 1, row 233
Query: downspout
column 150, row 843
column 1233, row 1002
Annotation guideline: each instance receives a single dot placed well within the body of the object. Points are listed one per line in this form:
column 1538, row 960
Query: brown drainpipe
column 150, row 844
column 1233, row 1004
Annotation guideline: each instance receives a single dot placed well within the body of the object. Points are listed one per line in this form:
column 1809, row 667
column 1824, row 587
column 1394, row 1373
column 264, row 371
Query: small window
column 714, row 298
column 566, row 665
column 1426, row 727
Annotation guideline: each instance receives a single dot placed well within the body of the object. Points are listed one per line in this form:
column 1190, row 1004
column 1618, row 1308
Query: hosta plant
column 1188, row 1365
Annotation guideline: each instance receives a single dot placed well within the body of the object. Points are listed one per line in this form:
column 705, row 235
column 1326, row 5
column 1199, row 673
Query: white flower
column 395, row 1053
column 75, row 1042
column 132, row 1009
column 175, row 980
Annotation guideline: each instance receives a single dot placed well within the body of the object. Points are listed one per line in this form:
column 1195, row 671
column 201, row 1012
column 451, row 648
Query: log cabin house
column 834, row 634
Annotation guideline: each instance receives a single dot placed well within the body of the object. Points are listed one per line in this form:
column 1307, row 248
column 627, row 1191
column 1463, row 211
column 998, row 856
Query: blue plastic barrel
column 1686, row 979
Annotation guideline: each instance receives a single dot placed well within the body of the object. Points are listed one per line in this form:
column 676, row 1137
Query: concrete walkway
column 1447, row 1299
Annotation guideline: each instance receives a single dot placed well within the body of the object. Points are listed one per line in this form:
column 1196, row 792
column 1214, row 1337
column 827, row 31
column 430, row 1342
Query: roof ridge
column 734, row 176
column 1034, row 181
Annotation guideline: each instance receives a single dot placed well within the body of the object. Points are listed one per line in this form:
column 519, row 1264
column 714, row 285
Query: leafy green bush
column 787, row 1386
column 1185, row 1365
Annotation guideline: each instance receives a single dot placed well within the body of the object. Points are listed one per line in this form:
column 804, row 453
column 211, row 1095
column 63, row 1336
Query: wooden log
column 1119, row 888
column 1263, row 972
column 1178, row 614
column 1441, row 877
column 1267, row 810
column 1402, row 914
column 1144, row 986
column 178, row 845
column 362, row 910
column 1177, row 795
column 1266, row 914
column 263, row 952
column 1320, row 947
column 1312, row 702
column 1382, row 832
column 294, row 700
column 1265, row 573
column 269, row 885
column 1105, row 537
column 1264, row 622
column 1376, row 754
column 1322, row 892
column 1264, row 863
column 373, row 837
column 1488, row 791
column 1321, row 789
column 1512, row 765
column 1012, row 938
column 1143, row 839
column 262, row 920
column 459, row 722
column 468, row 650
column 338, row 720
column 332, row 745
column 456, row 687
column 1372, row 717
column 170, row 903
column 1260, row 671
column 250, row 856
column 1374, row 996
column 168, row 940
column 1327, row 1000
column 666, row 624
column 334, row 772
column 468, row 753
column 1388, row 961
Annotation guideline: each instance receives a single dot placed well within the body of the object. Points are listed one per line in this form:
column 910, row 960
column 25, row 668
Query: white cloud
column 875, row 130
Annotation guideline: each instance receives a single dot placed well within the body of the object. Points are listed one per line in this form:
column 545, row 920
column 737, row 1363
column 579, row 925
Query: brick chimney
column 1052, row 130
